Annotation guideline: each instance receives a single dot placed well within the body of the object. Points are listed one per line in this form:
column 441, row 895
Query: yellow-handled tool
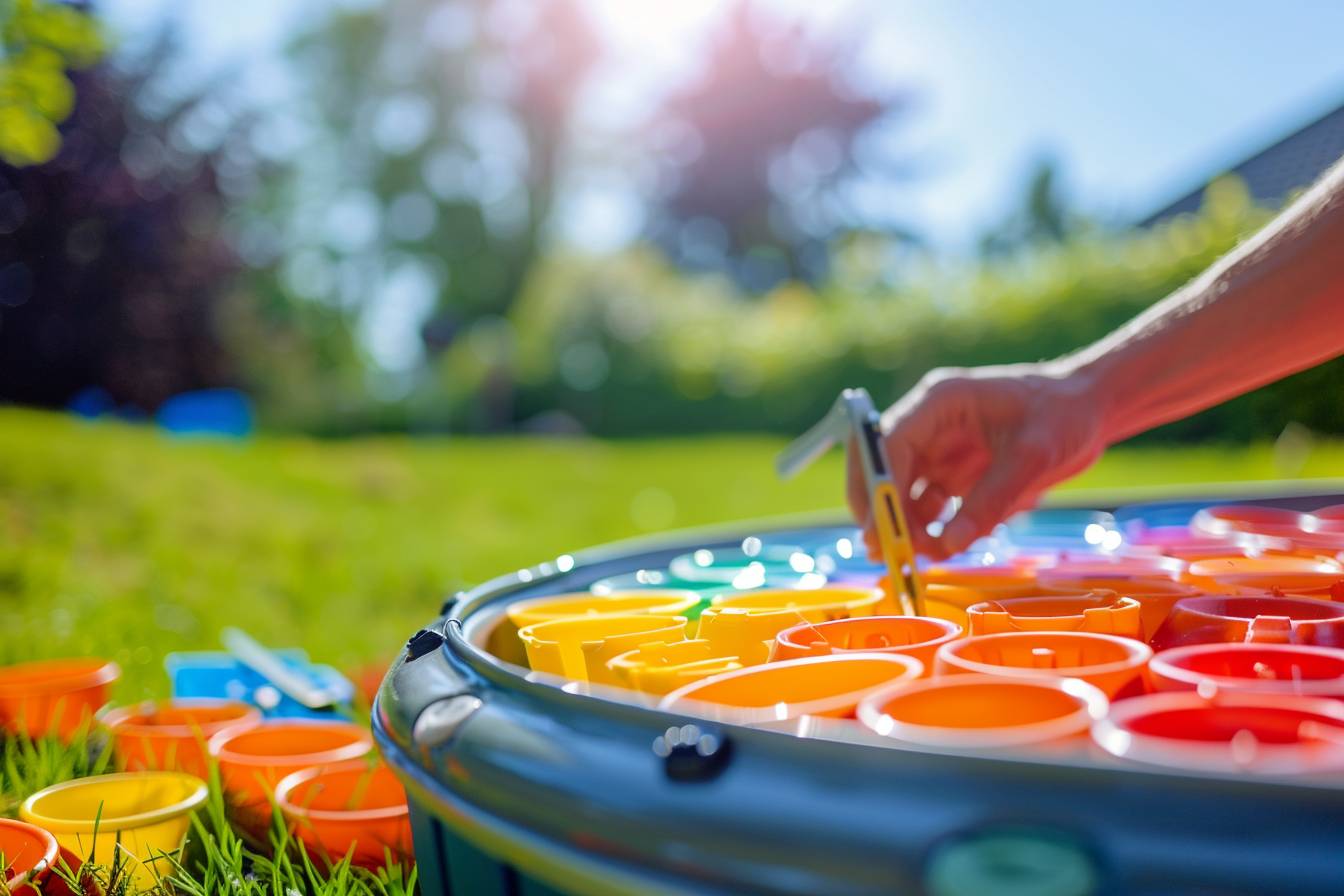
column 855, row 417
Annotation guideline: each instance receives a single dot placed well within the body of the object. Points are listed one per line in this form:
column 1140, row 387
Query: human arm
column 998, row 437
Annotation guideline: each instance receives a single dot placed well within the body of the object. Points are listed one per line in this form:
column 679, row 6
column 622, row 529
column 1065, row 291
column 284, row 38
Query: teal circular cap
column 1011, row 863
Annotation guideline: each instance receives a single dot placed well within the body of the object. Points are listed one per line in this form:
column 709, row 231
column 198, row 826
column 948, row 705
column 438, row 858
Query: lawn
column 122, row 542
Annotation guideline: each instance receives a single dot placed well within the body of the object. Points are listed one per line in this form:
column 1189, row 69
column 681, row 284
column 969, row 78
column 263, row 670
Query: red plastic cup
column 253, row 761
column 1328, row 519
column 1108, row 662
column 172, row 735
column 54, row 697
column 1278, row 669
column 1269, row 734
column 984, row 711
column 1267, row 619
column 28, row 853
column 1227, row 519
column 1156, row 597
column 1104, row 612
column 352, row 807
column 916, row 636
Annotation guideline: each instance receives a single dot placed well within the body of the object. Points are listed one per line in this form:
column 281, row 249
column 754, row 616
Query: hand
column 997, row 437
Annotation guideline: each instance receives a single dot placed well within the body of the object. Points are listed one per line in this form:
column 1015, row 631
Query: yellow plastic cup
column 583, row 605
column 579, row 649
column 1106, row 661
column 745, row 625
column 789, row 689
column 1099, row 611
column 660, row 667
column 141, row 814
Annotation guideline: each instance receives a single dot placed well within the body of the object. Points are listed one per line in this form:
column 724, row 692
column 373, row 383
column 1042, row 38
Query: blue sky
column 1138, row 101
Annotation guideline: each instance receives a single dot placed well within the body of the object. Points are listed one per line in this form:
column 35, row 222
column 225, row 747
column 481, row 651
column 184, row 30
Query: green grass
column 121, row 542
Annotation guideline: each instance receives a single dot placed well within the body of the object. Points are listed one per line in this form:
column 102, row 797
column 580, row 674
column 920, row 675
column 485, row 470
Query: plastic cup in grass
column 26, row 854
column 136, row 817
column 354, row 807
column 54, row 697
column 254, row 760
column 172, row 735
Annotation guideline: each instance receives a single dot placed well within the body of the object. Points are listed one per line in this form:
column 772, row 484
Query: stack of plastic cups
column 657, row 668
column 505, row 643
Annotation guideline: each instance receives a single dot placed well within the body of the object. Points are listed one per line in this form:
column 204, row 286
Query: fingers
column 1008, row 482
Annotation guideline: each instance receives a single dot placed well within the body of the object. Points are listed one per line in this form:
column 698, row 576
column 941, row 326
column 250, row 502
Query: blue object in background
column 220, row 675
column 91, row 403
column 208, row 412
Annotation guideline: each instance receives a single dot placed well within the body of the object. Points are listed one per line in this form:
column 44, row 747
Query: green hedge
column 628, row 345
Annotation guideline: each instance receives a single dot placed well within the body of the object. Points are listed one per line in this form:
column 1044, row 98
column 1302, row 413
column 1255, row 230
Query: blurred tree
column 39, row 40
column 423, row 147
column 758, row 146
column 1042, row 217
column 112, row 260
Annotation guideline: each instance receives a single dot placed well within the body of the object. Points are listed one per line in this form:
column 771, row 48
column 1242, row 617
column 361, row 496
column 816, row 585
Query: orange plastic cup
column 1104, row 612
column 54, row 697
column 352, row 807
column 1106, row 661
column 984, row 711
column 253, row 761
column 916, row 636
column 1266, row 619
column 1265, row 733
column 661, row 667
column 172, row 735
column 950, row 602
column 745, row 624
column 1156, row 597
column 1289, row 573
column 811, row 686
column 991, row 582
column 1282, row 669
column 28, row 851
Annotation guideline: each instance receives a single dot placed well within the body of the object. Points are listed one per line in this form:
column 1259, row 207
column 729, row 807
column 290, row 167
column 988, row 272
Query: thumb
column 990, row 500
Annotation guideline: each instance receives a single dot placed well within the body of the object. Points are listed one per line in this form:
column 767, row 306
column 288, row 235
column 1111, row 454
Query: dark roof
column 1276, row 172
